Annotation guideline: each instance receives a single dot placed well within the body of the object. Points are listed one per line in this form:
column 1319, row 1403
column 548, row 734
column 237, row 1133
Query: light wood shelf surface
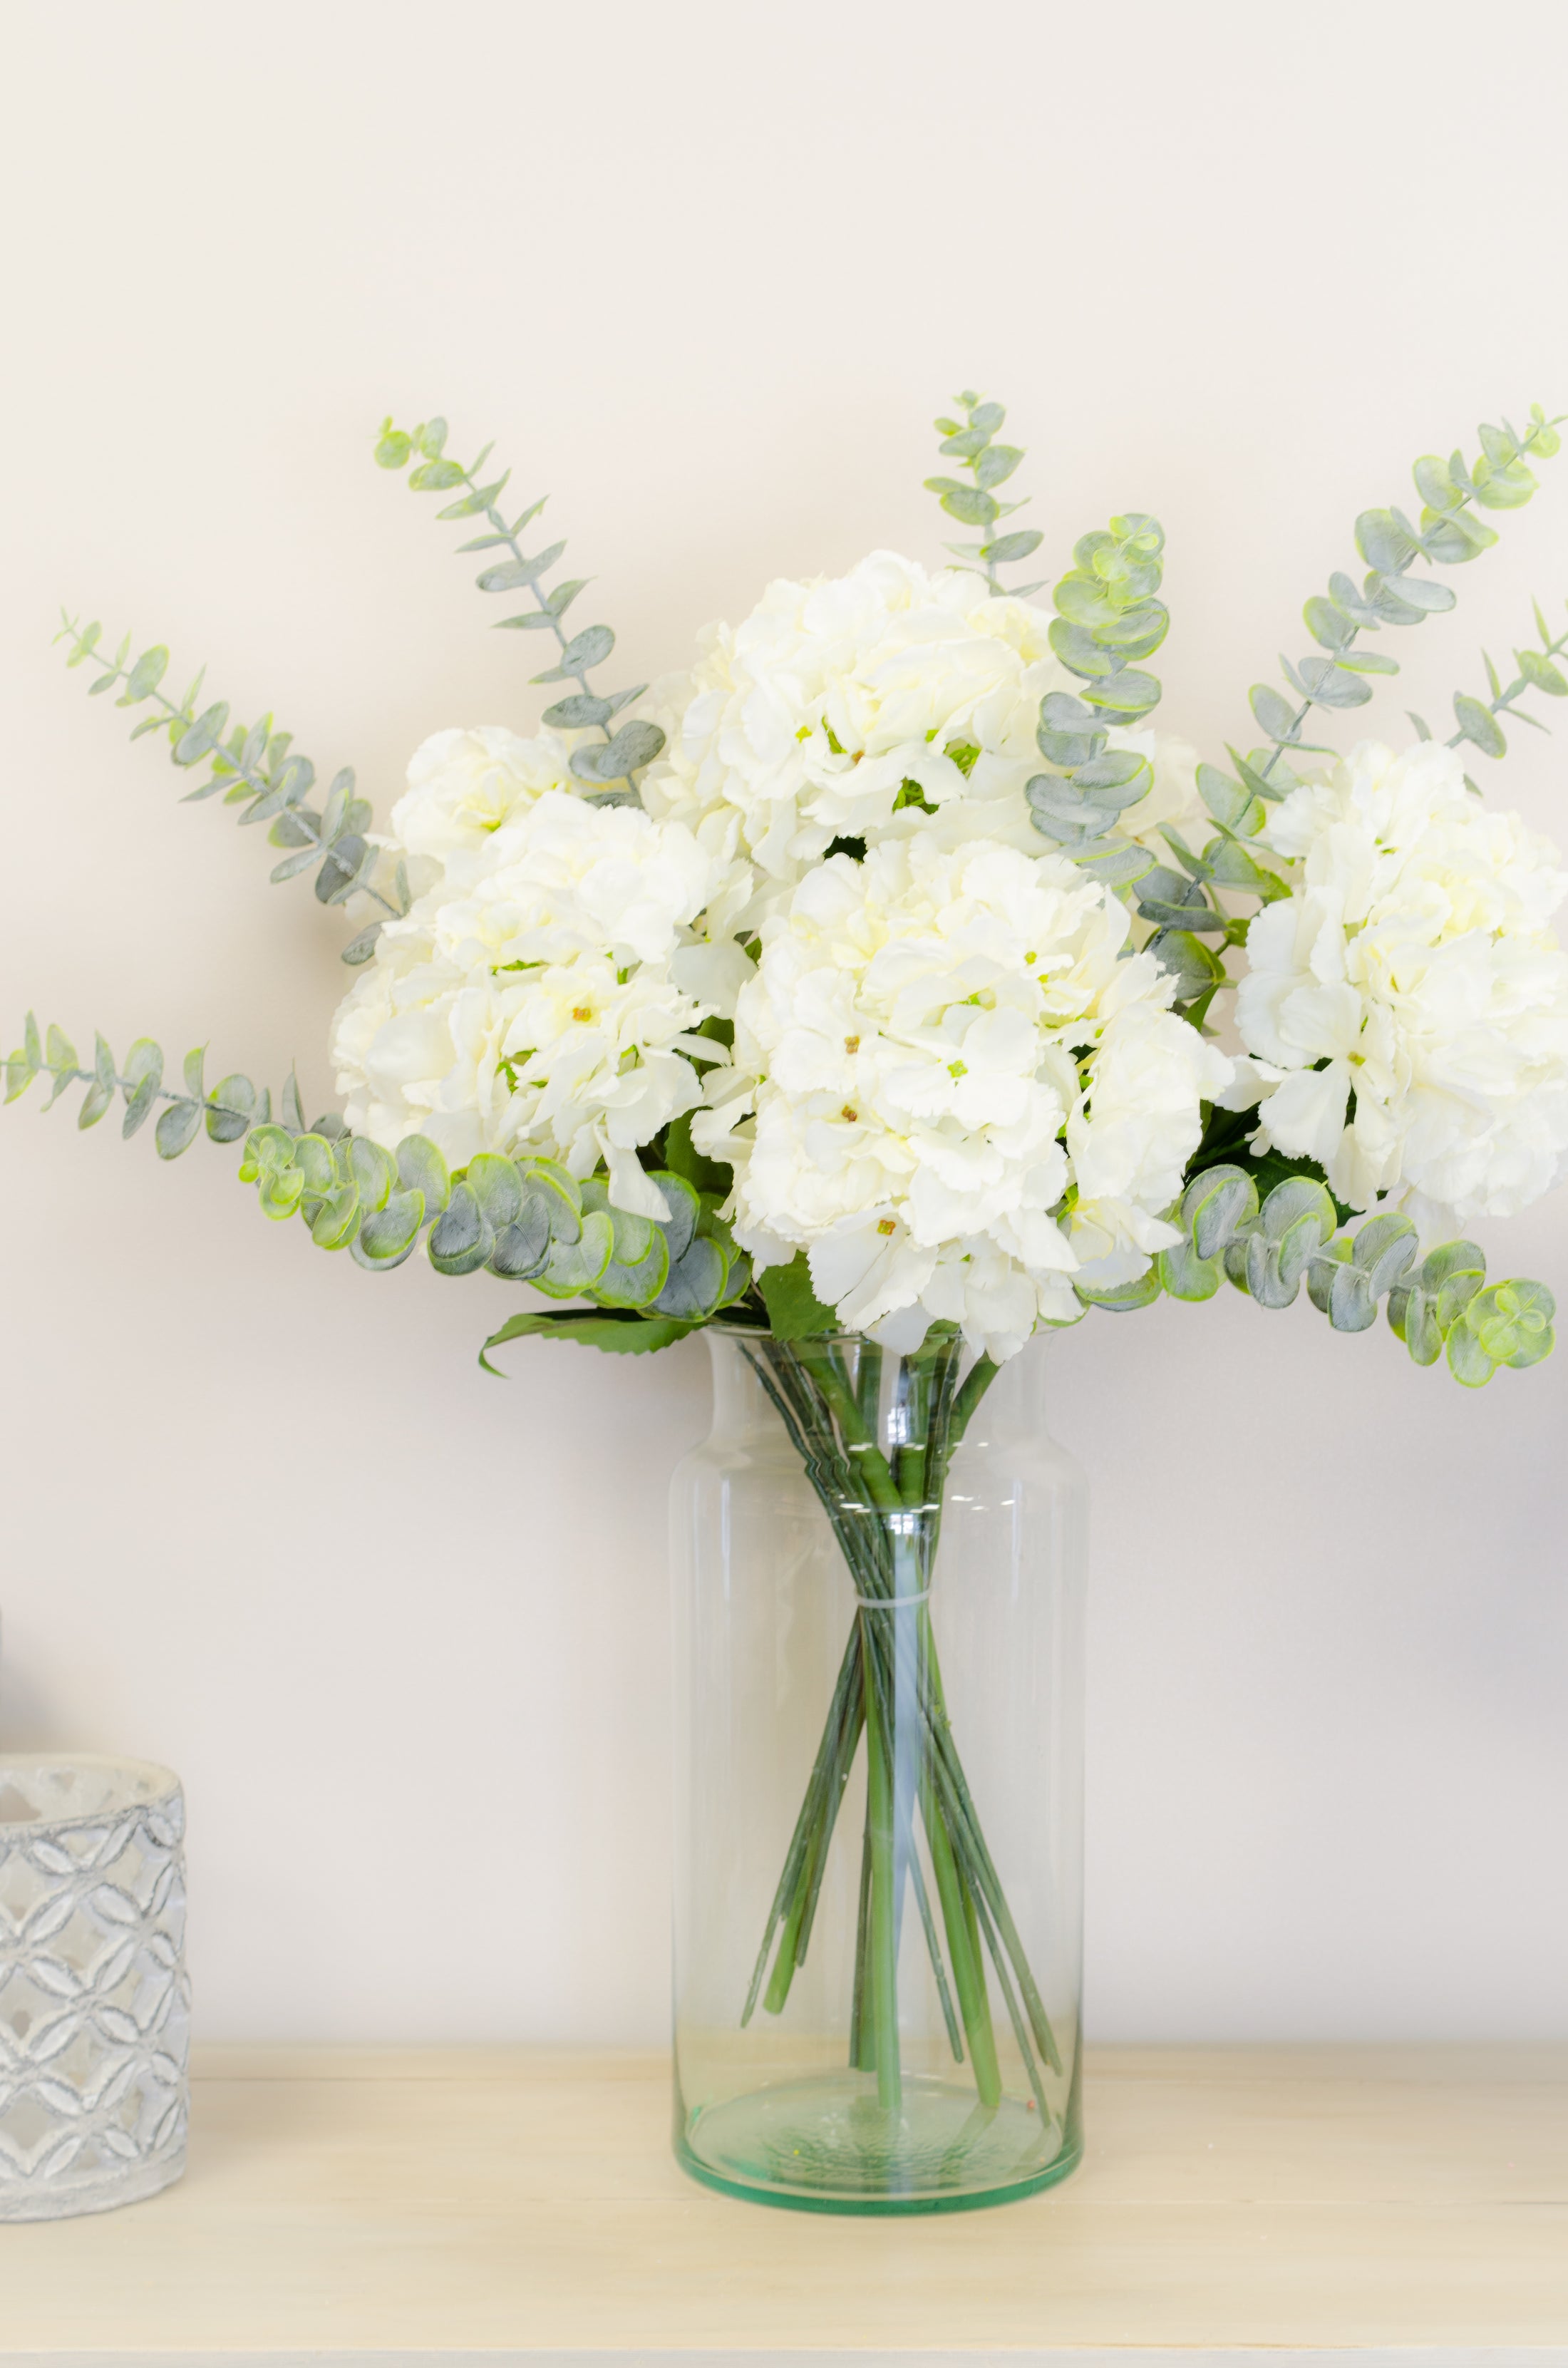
column 432, row 2202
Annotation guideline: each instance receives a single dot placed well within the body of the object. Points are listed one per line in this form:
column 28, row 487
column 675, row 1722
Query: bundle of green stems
column 885, row 1508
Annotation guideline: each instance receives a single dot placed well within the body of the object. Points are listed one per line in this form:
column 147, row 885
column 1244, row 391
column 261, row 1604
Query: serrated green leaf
column 794, row 1311
column 628, row 1335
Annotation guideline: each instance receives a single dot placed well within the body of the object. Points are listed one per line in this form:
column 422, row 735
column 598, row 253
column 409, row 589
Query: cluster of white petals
column 956, row 1089
column 533, row 999
column 848, row 707
column 956, row 1082
column 1408, row 1003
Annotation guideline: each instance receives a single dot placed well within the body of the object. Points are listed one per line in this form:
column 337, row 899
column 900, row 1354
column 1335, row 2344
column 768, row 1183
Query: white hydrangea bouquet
column 887, row 985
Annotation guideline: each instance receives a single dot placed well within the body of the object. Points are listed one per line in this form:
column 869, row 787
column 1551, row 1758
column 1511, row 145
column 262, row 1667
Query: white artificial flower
column 955, row 1089
column 536, row 1010
column 464, row 785
column 1413, row 968
column 846, row 707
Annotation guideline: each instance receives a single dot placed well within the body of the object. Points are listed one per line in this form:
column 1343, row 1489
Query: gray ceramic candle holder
column 95, row 2003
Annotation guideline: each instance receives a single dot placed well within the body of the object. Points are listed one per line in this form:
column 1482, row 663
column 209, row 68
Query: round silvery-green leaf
column 1385, row 1247
column 1468, row 1360
column 680, row 1199
column 1126, row 1298
column 695, row 1282
column 576, row 1266
column 280, row 1191
column 266, row 1147
column 1513, row 1320
column 336, row 1220
column 1352, row 1305
column 387, row 1234
column 1185, row 1275
column 1215, row 1206
column 496, row 1186
column 178, row 1129
column 1118, row 778
column 461, row 1237
column 1320, row 1271
column 1269, row 1285
column 1274, row 713
column 561, row 1191
column 1382, row 542
column 1479, row 726
column 422, row 1169
column 1298, row 1197
column 522, row 1247
column 313, row 1155
column 636, row 1284
column 373, row 1173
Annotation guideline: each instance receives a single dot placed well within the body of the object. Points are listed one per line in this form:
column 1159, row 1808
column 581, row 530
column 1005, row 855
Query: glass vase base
column 827, row 2145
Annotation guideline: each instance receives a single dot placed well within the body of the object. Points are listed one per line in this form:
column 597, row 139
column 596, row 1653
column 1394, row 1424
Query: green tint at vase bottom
column 826, row 2144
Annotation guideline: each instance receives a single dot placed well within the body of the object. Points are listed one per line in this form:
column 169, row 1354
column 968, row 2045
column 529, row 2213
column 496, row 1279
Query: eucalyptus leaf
column 178, row 1129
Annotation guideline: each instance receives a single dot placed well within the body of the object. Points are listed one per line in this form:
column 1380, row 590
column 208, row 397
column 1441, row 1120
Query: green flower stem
column 886, row 1517
column 963, row 1947
column 882, row 1937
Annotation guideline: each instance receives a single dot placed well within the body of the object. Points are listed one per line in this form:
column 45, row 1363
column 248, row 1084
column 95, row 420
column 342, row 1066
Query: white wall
column 706, row 271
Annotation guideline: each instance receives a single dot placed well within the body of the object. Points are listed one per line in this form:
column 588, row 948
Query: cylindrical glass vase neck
column 879, row 1576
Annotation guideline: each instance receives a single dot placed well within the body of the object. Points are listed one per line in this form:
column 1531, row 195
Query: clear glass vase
column 879, row 1567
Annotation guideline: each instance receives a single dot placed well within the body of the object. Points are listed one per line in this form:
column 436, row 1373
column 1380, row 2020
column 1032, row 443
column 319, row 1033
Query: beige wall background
column 705, row 272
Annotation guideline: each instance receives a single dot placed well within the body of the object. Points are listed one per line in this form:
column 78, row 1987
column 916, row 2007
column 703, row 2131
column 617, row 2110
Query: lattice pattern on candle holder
column 95, row 2003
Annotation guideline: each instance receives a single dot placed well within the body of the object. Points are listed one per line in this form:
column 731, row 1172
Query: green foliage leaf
column 144, row 676
column 575, row 1267
column 178, row 1129
column 232, row 1106
column 619, row 1335
column 696, row 1282
column 373, row 1173
column 794, row 1311
column 1479, row 726
column 1382, row 542
column 462, row 1238
column 422, row 1169
column 388, row 1234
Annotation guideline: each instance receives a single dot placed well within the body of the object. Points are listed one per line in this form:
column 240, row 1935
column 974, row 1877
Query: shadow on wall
column 26, row 1723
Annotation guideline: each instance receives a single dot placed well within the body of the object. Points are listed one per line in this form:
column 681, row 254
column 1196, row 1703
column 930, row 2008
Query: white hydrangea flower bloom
column 890, row 702
column 465, row 786
column 955, row 1090
column 1412, row 966
column 537, row 1008
column 806, row 722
